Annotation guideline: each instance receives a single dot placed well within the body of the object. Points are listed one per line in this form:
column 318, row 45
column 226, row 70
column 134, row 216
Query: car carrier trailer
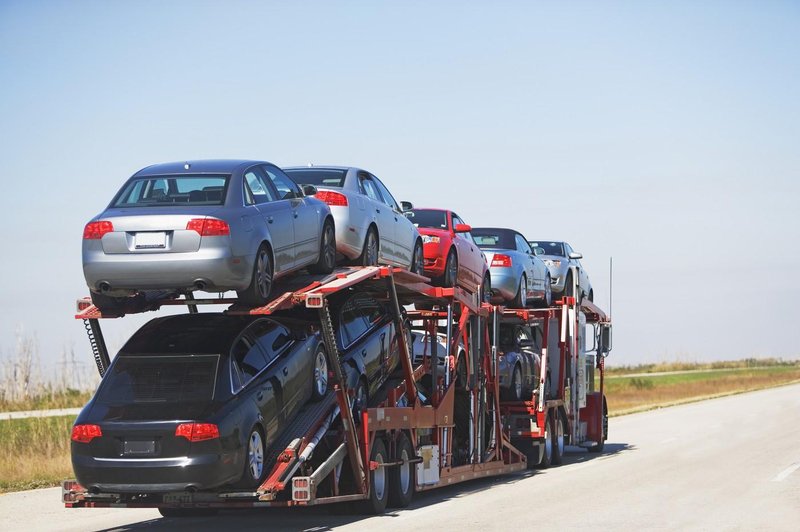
column 429, row 426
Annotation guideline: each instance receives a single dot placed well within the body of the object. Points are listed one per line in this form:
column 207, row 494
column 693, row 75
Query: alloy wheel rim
column 321, row 373
column 452, row 271
column 264, row 276
column 329, row 247
column 419, row 264
column 255, row 455
column 405, row 472
column 372, row 250
column 379, row 479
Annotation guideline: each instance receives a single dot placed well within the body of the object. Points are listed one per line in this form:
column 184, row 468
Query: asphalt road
column 725, row 464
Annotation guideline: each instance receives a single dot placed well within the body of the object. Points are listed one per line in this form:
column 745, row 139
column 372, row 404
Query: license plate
column 151, row 240
column 177, row 498
column 139, row 448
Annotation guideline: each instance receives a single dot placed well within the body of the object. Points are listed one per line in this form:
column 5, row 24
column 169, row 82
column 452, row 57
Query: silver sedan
column 371, row 227
column 205, row 225
column 518, row 275
column 564, row 264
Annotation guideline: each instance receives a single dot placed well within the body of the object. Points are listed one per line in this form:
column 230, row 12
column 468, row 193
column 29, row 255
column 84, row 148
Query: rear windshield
column 137, row 379
column 493, row 239
column 171, row 190
column 428, row 218
column 550, row 248
column 319, row 177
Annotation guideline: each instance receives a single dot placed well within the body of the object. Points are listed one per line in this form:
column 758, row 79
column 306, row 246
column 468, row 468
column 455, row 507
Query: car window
column 287, row 189
column 169, row 191
column 371, row 309
column 247, row 359
column 493, row 238
column 388, row 199
column 369, row 189
column 272, row 337
column 431, row 218
column 256, row 189
column 352, row 324
column 522, row 244
column 320, row 177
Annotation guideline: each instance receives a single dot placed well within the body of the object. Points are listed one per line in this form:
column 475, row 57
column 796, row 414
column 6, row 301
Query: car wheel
column 486, row 289
column 261, row 282
column 187, row 512
column 547, row 455
column 515, row 387
column 401, row 477
column 568, row 288
column 379, row 481
column 320, row 387
column 548, row 291
column 558, row 440
column 451, row 269
column 369, row 255
column 327, row 250
column 521, row 299
column 254, row 467
column 418, row 259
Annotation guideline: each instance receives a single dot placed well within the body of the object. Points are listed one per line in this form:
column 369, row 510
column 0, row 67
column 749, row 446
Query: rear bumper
column 505, row 282
column 117, row 475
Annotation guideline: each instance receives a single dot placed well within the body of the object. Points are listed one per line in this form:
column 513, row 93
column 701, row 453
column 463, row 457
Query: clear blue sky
column 664, row 134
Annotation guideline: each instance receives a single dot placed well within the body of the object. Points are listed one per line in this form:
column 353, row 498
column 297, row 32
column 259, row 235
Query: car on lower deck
column 518, row 276
column 518, row 360
column 451, row 255
column 205, row 225
column 562, row 261
column 371, row 227
column 193, row 401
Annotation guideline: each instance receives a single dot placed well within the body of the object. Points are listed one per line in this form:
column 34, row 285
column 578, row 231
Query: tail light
column 96, row 230
column 334, row 199
column 209, row 227
column 86, row 433
column 503, row 261
column 197, row 431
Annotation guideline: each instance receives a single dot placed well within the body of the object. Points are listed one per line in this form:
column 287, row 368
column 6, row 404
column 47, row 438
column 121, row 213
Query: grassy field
column 635, row 389
column 34, row 452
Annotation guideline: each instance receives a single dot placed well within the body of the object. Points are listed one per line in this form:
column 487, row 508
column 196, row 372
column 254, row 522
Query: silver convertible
column 212, row 225
column 371, row 227
column 518, row 275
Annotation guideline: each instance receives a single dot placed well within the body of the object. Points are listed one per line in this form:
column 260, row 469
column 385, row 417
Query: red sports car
column 451, row 255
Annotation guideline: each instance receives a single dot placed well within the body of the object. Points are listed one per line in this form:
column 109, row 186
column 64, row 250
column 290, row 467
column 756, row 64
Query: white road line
column 786, row 472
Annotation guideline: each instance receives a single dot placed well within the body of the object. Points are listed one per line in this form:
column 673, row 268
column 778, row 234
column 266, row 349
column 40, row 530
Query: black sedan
column 194, row 401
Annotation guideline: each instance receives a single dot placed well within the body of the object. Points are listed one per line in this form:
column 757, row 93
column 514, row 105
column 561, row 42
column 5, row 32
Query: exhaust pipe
column 200, row 285
column 104, row 287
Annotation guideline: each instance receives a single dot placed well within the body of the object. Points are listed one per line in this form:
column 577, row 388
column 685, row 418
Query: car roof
column 323, row 167
column 209, row 166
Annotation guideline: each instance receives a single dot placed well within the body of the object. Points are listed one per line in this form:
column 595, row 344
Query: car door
column 403, row 227
column 470, row 256
column 382, row 216
column 277, row 215
column 248, row 363
column 305, row 216
column 291, row 369
column 380, row 339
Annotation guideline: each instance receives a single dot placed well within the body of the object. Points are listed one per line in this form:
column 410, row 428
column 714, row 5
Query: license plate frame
column 139, row 447
column 151, row 240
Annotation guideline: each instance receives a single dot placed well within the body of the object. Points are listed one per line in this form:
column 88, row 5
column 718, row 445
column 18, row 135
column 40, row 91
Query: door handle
column 364, row 353
column 378, row 211
column 270, row 219
column 260, row 395
column 285, row 372
column 295, row 213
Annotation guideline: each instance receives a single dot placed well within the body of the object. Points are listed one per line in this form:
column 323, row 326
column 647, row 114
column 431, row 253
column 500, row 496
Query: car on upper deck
column 451, row 255
column 371, row 227
column 212, row 225
column 518, row 275
column 562, row 261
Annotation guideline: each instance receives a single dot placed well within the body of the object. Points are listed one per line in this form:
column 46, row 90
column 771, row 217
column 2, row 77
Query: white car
column 371, row 227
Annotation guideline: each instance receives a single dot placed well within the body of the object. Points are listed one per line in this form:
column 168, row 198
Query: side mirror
column 538, row 251
column 575, row 255
column 406, row 205
column 309, row 190
column 463, row 228
column 605, row 338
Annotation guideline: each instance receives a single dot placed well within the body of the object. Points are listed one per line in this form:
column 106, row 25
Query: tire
column 402, row 482
column 558, row 440
column 521, row 299
column 547, row 454
column 548, row 292
column 418, row 259
column 514, row 392
column 378, row 481
column 254, row 467
column 327, row 250
column 257, row 294
column 369, row 255
column 531, row 450
column 450, row 269
column 187, row 512
column 600, row 446
column 320, row 377
column 486, row 289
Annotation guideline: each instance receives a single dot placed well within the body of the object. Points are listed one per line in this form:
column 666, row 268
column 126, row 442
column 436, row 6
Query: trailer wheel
column 187, row 512
column 558, row 440
column 402, row 481
column 602, row 443
column 515, row 387
column 378, row 481
column 547, row 455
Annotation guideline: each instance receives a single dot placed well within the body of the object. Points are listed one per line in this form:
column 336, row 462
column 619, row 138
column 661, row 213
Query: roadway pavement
column 725, row 464
column 24, row 414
